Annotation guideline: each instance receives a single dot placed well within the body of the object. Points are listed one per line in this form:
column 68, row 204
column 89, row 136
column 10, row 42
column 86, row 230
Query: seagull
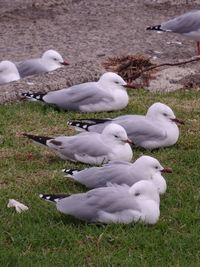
column 158, row 128
column 115, row 204
column 50, row 60
column 8, row 72
column 90, row 148
column 107, row 94
column 187, row 24
column 121, row 172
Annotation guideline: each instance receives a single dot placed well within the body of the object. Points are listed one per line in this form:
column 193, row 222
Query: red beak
column 167, row 170
column 64, row 63
column 129, row 141
column 128, row 85
column 178, row 121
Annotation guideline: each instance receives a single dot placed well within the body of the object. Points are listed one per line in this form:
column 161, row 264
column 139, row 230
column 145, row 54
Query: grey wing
column 115, row 172
column 83, row 145
column 30, row 67
column 140, row 130
column 78, row 95
column 91, row 142
column 122, row 120
column 87, row 206
column 183, row 24
column 113, row 199
column 77, row 205
column 98, row 128
column 63, row 146
column 127, row 119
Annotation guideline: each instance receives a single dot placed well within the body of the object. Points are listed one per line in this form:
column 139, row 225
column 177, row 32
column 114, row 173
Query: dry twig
column 196, row 58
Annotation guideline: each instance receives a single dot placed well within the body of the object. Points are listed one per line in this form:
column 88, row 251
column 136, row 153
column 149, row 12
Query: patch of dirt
column 169, row 79
column 192, row 81
column 86, row 33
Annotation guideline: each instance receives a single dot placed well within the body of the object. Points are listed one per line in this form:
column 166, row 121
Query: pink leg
column 198, row 48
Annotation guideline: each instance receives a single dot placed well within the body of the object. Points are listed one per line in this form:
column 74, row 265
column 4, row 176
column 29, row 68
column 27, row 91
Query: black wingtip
column 70, row 171
column 155, row 28
column 79, row 124
column 86, row 123
column 39, row 139
column 53, row 198
column 33, row 96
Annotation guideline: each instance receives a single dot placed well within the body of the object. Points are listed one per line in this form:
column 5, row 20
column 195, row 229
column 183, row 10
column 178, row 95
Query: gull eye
column 137, row 194
column 156, row 167
column 116, row 136
column 165, row 114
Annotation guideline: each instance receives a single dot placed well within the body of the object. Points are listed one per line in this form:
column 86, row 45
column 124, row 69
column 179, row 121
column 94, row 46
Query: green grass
column 44, row 237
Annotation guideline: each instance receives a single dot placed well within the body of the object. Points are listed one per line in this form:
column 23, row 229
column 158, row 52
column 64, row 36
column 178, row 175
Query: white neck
column 50, row 65
column 171, row 129
column 151, row 211
column 10, row 78
column 121, row 151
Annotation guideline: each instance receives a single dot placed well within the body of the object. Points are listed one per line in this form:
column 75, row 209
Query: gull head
column 145, row 190
column 112, row 79
column 150, row 169
column 53, row 60
column 162, row 112
column 8, row 72
column 116, row 133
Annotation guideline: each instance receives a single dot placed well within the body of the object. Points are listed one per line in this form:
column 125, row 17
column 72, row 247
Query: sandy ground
column 85, row 32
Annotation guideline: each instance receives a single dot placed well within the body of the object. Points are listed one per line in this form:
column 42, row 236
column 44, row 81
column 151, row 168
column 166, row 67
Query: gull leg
column 198, row 48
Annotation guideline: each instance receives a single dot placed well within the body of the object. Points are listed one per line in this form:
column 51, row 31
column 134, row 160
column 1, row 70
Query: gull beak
column 128, row 85
column 64, row 63
column 167, row 170
column 129, row 141
column 178, row 121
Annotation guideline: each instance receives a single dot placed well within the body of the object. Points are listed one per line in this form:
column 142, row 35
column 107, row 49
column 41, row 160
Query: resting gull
column 114, row 204
column 50, row 60
column 107, row 94
column 158, row 128
column 121, row 172
column 91, row 148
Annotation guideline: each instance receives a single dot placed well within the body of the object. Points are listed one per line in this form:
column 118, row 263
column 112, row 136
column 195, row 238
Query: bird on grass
column 115, row 204
column 187, row 24
column 121, row 172
column 90, row 148
column 158, row 128
column 107, row 94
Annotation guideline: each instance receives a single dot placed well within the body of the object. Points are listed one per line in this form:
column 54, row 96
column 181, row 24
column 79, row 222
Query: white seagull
column 114, row 204
column 187, row 24
column 158, row 128
column 8, row 72
column 50, row 60
column 107, row 94
column 121, row 172
column 90, row 148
